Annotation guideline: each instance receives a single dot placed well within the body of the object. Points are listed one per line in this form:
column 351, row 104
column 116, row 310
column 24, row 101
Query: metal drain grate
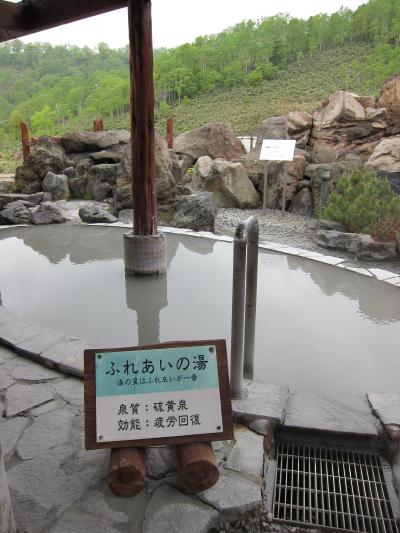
column 335, row 489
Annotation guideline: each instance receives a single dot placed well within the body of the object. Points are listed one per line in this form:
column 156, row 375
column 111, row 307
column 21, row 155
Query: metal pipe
column 251, row 301
column 244, row 293
column 325, row 175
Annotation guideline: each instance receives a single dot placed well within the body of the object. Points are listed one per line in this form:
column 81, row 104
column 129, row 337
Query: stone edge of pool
column 56, row 349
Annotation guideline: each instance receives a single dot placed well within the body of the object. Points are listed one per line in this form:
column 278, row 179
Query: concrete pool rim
column 58, row 350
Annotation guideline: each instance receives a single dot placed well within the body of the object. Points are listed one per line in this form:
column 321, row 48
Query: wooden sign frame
column 90, row 399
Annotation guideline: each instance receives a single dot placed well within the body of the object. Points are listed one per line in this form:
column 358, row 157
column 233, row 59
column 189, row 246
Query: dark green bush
column 365, row 204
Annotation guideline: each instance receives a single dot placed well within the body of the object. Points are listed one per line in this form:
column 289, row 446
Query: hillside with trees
column 242, row 75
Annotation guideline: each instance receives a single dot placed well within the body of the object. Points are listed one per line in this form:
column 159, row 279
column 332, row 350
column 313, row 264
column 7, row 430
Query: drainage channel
column 334, row 489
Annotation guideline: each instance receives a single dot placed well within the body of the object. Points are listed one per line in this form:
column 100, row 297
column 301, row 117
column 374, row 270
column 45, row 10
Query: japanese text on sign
column 277, row 150
column 142, row 394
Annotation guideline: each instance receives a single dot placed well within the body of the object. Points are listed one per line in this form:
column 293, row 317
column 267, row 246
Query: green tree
column 43, row 121
column 14, row 121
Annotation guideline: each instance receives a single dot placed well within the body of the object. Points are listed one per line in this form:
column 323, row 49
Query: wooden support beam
column 197, row 466
column 98, row 124
column 142, row 118
column 127, row 471
column 24, row 139
column 10, row 15
column 170, row 132
column 17, row 20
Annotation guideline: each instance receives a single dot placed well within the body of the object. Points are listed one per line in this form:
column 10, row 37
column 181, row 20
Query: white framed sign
column 153, row 395
column 277, row 150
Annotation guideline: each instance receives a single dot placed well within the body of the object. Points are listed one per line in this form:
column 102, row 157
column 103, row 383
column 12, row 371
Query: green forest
column 249, row 71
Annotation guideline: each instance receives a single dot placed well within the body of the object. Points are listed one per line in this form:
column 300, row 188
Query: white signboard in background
column 277, row 150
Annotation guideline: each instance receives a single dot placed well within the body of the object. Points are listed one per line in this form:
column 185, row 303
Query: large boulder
column 214, row 139
column 35, row 199
column 280, row 173
column 94, row 141
column 361, row 245
column 386, row 156
column 166, row 184
column 56, row 185
column 231, row 185
column 122, row 198
column 44, row 157
column 195, row 211
column 94, row 214
column 47, row 213
column 255, row 170
column 79, row 179
column 102, row 180
column 7, row 184
column 201, row 171
column 299, row 127
column 15, row 213
column 296, row 125
column 389, row 98
column 302, row 203
column 346, row 124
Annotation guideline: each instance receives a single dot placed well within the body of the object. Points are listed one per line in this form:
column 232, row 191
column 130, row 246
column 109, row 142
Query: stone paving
column 57, row 486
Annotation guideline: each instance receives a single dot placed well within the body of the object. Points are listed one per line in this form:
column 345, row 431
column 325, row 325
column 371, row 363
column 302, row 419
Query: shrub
column 365, row 204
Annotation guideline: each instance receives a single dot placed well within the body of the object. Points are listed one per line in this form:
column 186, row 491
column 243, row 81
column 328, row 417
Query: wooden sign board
column 277, row 150
column 168, row 393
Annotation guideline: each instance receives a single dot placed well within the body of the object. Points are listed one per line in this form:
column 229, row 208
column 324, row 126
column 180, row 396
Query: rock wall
column 347, row 131
column 92, row 165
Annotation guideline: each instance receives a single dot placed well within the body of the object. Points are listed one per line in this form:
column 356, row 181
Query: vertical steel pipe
column 244, row 294
column 326, row 175
column 251, row 300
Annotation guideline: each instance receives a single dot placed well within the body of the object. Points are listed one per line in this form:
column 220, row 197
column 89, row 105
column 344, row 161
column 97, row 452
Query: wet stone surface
column 57, row 486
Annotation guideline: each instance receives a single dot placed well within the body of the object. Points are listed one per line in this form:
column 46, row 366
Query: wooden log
column 170, row 132
column 98, row 124
column 197, row 466
column 142, row 118
column 24, row 139
column 127, row 471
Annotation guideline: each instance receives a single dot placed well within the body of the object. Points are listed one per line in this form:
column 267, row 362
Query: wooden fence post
column 24, row 139
column 170, row 132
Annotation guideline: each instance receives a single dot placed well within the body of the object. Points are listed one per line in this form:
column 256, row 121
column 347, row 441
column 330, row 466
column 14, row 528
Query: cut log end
column 197, row 466
column 127, row 471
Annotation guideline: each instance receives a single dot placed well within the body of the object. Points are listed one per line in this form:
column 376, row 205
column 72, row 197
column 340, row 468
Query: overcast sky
column 179, row 21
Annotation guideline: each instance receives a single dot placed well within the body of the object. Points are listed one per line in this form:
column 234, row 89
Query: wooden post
column 98, row 124
column 144, row 249
column 24, row 139
column 142, row 118
column 197, row 466
column 127, row 471
column 284, row 195
column 265, row 185
column 170, row 132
